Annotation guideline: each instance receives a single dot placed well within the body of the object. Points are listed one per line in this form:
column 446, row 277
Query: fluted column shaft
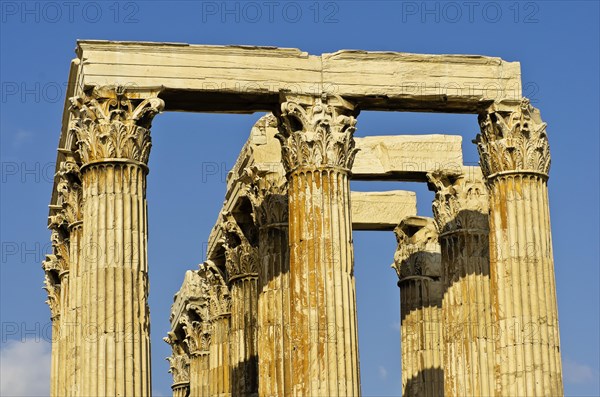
column 64, row 342
column 116, row 338
column 182, row 390
column 65, row 223
column 515, row 158
column 417, row 263
column 524, row 286
column 274, row 313
column 420, row 329
column 74, row 323
column 461, row 210
column 220, row 380
column 268, row 195
column 55, row 358
column 241, row 263
column 242, row 337
column 54, row 266
column 318, row 152
column 466, row 314
column 70, row 197
column 323, row 319
column 112, row 131
column 199, row 375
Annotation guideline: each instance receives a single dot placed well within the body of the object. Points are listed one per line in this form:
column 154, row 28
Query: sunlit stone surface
column 271, row 310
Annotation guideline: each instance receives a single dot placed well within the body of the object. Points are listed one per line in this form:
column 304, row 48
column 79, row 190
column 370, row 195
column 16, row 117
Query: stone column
column 220, row 315
column 113, row 132
column 200, row 367
column 198, row 340
column 460, row 210
column 515, row 159
column 268, row 195
column 65, row 235
column 241, row 262
column 316, row 135
column 70, row 199
column 179, row 367
column 417, row 264
column 52, row 287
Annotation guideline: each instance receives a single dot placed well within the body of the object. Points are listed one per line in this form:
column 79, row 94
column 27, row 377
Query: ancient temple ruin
column 271, row 311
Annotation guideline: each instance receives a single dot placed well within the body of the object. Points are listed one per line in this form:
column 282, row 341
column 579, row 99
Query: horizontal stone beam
column 381, row 210
column 421, row 82
column 406, row 157
column 248, row 78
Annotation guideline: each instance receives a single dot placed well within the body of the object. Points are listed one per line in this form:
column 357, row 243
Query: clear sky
column 556, row 42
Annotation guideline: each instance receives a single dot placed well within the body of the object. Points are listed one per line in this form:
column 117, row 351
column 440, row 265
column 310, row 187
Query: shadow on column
column 247, row 374
column 421, row 384
column 467, row 313
column 456, row 278
column 421, row 293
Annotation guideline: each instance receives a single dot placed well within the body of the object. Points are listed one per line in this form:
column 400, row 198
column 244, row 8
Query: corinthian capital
column 52, row 287
column 179, row 365
column 59, row 260
column 268, row 195
column 316, row 132
column 461, row 201
column 241, row 261
column 197, row 336
column 110, row 124
column 418, row 250
column 241, row 257
column 513, row 138
column 69, row 191
column 217, row 291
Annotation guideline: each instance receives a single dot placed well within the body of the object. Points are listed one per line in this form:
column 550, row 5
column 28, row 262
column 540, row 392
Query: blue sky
column 556, row 42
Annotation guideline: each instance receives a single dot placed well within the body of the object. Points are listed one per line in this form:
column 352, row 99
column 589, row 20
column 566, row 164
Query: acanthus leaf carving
column 52, row 288
column 241, row 257
column 315, row 132
column 113, row 127
column 52, row 263
column 69, row 192
column 268, row 195
column 241, row 261
column 418, row 250
column 461, row 200
column 68, row 197
column 513, row 140
column 55, row 265
column 60, row 251
column 179, row 364
column 219, row 299
column 198, row 335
